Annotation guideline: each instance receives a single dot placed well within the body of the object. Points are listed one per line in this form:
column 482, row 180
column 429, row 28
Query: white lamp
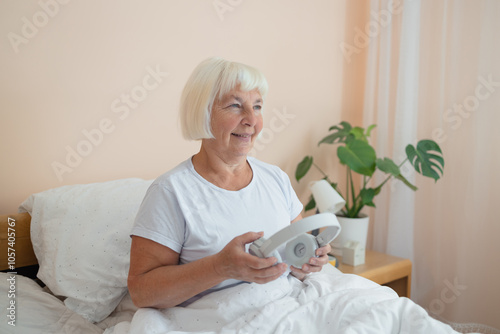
column 327, row 199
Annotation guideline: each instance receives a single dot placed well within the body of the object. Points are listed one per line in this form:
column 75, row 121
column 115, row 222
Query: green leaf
column 359, row 133
column 311, row 204
column 303, row 167
column 369, row 129
column 339, row 135
column 367, row 196
column 388, row 166
column 345, row 125
column 359, row 156
column 427, row 158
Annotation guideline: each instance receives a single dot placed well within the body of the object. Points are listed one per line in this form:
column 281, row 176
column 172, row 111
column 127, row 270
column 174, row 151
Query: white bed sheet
column 38, row 311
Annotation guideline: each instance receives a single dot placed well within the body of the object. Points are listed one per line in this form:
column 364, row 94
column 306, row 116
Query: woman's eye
column 257, row 108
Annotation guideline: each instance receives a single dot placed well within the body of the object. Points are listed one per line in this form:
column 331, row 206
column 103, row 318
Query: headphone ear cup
column 277, row 255
column 299, row 250
column 255, row 249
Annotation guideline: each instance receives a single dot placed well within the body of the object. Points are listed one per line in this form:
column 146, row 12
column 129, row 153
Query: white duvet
column 326, row 302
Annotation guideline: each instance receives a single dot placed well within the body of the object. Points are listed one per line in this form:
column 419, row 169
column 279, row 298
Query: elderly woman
column 191, row 231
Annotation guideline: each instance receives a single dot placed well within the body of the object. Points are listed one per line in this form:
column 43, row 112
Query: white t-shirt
column 195, row 218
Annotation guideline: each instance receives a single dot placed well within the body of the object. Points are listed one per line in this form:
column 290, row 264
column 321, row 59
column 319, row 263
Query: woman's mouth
column 241, row 135
column 244, row 137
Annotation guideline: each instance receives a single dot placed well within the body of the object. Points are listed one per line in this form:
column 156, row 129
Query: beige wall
column 68, row 69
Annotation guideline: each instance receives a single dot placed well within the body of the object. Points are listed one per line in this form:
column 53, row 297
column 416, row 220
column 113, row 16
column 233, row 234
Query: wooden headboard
column 15, row 231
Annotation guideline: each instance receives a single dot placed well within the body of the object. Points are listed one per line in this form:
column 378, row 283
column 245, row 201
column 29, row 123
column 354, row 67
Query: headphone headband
column 326, row 219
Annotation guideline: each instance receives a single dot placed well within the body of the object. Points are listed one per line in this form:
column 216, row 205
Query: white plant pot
column 353, row 229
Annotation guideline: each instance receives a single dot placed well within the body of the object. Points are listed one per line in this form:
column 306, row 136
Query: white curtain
column 433, row 71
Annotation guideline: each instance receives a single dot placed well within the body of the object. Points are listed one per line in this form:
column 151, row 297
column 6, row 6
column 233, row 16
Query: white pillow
column 81, row 238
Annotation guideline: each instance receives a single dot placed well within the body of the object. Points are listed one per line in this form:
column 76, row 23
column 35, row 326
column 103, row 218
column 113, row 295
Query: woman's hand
column 234, row 262
column 315, row 264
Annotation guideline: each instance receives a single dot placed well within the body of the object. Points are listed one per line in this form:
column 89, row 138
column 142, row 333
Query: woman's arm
column 157, row 280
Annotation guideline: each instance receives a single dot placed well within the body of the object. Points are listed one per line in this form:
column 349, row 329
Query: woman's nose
column 250, row 117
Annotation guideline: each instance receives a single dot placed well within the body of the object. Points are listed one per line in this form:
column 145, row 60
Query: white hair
column 211, row 80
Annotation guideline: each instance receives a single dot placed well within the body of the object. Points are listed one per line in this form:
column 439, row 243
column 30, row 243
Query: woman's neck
column 230, row 173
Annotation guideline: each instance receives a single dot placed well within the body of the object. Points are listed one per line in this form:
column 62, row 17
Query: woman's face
column 236, row 122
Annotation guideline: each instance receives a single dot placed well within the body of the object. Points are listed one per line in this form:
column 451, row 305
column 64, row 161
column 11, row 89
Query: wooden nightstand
column 392, row 271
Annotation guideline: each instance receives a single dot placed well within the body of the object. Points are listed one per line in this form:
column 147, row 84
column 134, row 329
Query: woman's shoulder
column 272, row 177
column 266, row 168
column 179, row 172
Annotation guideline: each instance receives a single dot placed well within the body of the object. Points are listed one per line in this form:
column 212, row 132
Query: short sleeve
column 294, row 203
column 296, row 207
column 160, row 219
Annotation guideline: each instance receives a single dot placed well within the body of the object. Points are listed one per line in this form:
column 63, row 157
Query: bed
column 76, row 240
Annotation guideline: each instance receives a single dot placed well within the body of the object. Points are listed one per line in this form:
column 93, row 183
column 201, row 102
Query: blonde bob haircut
column 211, row 80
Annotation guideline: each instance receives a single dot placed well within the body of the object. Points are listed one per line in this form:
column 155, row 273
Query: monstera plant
column 356, row 153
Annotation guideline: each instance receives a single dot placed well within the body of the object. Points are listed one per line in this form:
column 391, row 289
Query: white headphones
column 300, row 246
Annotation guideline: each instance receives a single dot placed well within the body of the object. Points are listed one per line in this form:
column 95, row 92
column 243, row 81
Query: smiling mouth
column 241, row 136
